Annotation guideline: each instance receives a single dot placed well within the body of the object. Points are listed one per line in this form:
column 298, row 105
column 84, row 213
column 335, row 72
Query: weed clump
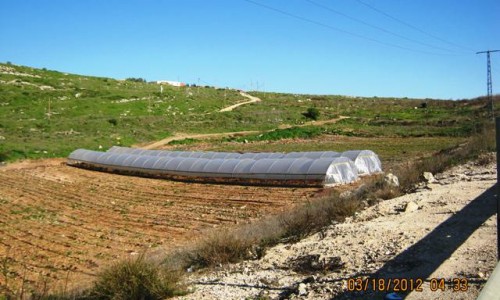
column 136, row 279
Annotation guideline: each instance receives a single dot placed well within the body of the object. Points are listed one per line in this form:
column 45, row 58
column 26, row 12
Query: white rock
column 302, row 289
column 429, row 177
column 391, row 180
column 411, row 207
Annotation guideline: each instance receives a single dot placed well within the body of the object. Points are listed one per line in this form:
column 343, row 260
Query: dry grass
column 221, row 247
column 317, row 214
column 250, row 241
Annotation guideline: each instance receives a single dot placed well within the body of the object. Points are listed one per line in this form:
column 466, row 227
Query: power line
column 377, row 27
column 339, row 29
column 414, row 27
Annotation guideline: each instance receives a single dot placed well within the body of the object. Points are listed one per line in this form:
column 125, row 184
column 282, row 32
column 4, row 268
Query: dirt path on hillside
column 182, row 136
column 445, row 230
column 253, row 99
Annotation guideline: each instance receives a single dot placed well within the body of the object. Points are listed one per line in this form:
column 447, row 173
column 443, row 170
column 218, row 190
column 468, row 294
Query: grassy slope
column 88, row 112
column 84, row 110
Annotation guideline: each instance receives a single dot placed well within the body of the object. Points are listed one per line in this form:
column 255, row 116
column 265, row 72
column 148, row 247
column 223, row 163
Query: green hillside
column 48, row 114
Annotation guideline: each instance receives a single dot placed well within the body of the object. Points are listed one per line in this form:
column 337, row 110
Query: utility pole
column 489, row 83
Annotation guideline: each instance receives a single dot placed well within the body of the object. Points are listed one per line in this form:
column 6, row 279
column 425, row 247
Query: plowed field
column 59, row 222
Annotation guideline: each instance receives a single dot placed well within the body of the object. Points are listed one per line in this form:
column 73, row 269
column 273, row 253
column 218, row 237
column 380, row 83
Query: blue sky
column 346, row 47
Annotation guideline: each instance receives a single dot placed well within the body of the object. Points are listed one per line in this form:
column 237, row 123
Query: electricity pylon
column 489, row 82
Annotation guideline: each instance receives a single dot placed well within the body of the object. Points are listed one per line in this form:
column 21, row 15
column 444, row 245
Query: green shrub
column 113, row 122
column 312, row 113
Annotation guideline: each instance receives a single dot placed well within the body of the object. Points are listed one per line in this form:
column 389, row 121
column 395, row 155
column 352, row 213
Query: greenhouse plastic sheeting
column 225, row 155
column 366, row 161
column 330, row 171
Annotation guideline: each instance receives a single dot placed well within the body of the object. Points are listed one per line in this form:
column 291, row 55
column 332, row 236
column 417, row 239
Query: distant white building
column 172, row 83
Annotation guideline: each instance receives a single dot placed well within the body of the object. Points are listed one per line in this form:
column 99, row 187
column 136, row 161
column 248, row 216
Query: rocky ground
column 428, row 243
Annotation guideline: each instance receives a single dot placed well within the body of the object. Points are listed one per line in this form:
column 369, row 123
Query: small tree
column 312, row 113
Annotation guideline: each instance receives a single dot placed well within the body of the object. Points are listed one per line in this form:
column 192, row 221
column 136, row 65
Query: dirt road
column 252, row 100
column 182, row 136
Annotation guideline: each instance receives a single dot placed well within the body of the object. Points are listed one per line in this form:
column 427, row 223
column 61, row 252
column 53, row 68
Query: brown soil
column 62, row 224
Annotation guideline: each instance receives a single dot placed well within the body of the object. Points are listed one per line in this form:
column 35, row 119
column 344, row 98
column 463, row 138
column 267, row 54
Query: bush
column 113, row 122
column 312, row 113
column 135, row 279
